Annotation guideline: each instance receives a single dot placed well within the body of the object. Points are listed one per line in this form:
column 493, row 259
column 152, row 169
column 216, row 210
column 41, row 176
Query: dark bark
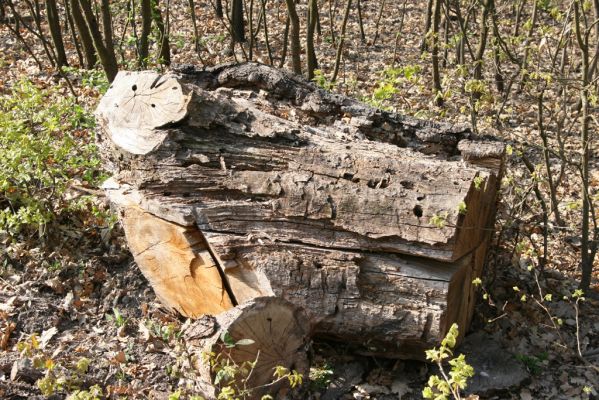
column 107, row 55
column 295, row 37
column 436, row 19
column 56, row 33
column 310, row 52
column 87, row 44
column 341, row 41
column 237, row 22
column 164, row 51
column 71, row 25
column 146, row 29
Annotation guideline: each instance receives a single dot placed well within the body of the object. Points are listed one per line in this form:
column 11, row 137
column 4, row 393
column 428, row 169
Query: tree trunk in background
column 71, row 25
column 237, row 23
column 295, row 37
column 89, row 52
column 219, row 9
column 427, row 25
column 107, row 56
column 437, row 89
column 146, row 29
column 310, row 53
column 341, row 42
column 56, row 33
column 164, row 53
column 107, row 24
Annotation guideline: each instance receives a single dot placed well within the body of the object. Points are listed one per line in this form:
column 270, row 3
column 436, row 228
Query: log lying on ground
column 373, row 222
column 269, row 332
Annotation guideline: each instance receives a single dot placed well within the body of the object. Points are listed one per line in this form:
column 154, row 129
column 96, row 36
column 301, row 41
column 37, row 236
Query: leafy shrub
column 450, row 383
column 45, row 145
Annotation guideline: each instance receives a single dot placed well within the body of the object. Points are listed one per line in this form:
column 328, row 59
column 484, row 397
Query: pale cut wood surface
column 176, row 262
column 138, row 102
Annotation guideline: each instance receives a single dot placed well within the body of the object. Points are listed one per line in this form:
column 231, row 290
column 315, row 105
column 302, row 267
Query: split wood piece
column 176, row 262
column 278, row 333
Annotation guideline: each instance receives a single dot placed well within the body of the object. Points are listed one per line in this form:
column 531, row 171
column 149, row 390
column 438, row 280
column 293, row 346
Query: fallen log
column 256, row 183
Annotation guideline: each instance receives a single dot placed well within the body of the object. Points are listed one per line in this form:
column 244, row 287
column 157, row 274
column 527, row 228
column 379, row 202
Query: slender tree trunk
column 378, row 21
column 285, row 43
column 69, row 18
column 427, row 25
column 531, row 30
column 516, row 31
column 237, row 23
column 332, row 20
column 107, row 24
column 146, row 29
column 295, row 37
column 196, row 32
column 341, row 41
column 107, row 56
column 17, row 32
column 266, row 39
column 488, row 5
column 550, row 181
column 218, row 9
column 360, row 21
column 164, row 54
column 37, row 19
column 250, row 17
column 582, row 39
column 437, row 89
column 87, row 43
column 310, row 53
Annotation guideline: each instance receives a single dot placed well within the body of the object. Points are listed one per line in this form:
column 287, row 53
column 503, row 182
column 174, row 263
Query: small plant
column 478, row 181
column 118, row 318
column 439, row 220
column 45, row 146
column 448, row 384
column 322, row 81
column 93, row 393
column 532, row 363
column 90, row 78
column 320, row 377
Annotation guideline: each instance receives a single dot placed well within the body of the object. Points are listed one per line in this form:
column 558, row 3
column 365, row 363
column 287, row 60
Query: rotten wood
column 375, row 223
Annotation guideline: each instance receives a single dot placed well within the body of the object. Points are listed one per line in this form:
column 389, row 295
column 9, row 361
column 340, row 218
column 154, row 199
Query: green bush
column 45, row 145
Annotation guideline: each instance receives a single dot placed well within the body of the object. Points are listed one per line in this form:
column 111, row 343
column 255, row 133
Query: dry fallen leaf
column 120, row 357
column 5, row 336
column 47, row 335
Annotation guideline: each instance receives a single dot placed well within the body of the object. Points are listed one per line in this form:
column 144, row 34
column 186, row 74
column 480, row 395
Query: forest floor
column 88, row 303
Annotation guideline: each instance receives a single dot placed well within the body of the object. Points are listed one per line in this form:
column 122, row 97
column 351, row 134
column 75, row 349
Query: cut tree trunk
column 268, row 331
column 373, row 222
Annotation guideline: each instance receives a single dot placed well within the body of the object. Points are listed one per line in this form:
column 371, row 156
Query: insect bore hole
column 418, row 210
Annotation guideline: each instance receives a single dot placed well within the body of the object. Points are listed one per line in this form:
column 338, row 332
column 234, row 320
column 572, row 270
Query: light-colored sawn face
column 138, row 102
